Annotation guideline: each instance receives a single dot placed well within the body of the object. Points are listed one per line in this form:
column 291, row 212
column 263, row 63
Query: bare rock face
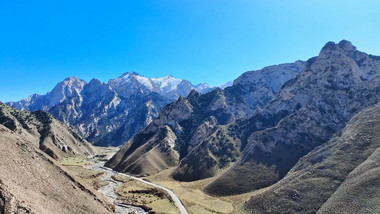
column 69, row 87
column 110, row 113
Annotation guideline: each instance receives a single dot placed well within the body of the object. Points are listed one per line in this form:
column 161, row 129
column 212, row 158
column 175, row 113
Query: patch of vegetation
column 45, row 128
column 7, row 121
column 152, row 200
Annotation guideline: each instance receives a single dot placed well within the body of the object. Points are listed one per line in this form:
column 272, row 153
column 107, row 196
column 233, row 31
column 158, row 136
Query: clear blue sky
column 213, row 41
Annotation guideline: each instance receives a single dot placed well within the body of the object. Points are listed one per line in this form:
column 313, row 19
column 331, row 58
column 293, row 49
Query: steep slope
column 194, row 121
column 48, row 134
column 359, row 193
column 346, row 165
column 110, row 113
column 31, row 181
column 338, row 83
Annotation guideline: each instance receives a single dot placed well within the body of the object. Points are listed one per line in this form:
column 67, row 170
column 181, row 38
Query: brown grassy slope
column 47, row 133
column 156, row 154
column 32, row 181
column 360, row 192
column 318, row 175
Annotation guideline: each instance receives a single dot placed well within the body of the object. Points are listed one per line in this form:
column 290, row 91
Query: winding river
column 110, row 190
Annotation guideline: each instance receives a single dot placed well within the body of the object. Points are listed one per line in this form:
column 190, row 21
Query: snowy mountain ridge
column 110, row 113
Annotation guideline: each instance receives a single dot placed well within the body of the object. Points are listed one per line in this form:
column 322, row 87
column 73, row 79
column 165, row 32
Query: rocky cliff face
column 110, row 113
column 195, row 122
column 308, row 110
column 67, row 88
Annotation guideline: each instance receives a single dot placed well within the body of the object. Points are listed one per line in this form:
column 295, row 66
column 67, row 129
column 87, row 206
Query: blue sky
column 213, row 41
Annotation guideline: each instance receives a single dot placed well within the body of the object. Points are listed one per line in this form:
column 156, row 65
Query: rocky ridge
column 109, row 113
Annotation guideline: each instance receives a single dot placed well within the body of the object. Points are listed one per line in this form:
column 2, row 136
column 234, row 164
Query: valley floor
column 154, row 193
column 128, row 194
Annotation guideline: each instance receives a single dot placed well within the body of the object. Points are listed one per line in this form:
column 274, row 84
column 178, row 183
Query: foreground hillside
column 30, row 180
column 45, row 132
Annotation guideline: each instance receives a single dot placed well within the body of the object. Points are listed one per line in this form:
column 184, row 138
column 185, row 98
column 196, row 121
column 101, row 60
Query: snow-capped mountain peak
column 168, row 86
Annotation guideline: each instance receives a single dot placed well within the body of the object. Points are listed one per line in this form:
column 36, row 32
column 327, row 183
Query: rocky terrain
column 186, row 130
column 256, row 133
column 31, row 181
column 46, row 133
column 340, row 176
column 336, row 85
column 109, row 113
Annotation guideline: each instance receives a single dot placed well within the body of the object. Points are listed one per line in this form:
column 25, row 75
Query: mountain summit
column 110, row 113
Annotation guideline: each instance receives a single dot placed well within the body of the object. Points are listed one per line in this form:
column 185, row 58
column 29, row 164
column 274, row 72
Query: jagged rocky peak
column 343, row 47
column 95, row 81
column 168, row 86
column 193, row 94
column 347, row 46
column 272, row 76
column 68, row 88
column 71, row 85
column 96, row 89
column 97, row 85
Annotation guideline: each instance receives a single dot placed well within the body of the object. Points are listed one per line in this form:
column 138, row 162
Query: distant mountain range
column 110, row 113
